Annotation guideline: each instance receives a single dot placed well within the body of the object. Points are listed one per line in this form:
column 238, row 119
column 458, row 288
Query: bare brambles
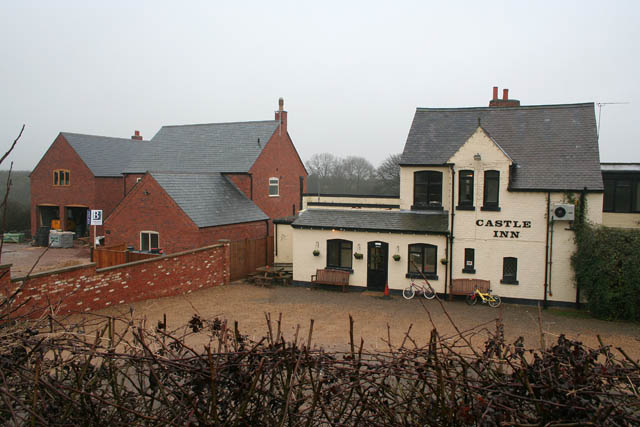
column 110, row 372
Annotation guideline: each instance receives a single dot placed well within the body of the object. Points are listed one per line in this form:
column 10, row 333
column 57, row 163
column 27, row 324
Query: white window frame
column 274, row 181
column 149, row 232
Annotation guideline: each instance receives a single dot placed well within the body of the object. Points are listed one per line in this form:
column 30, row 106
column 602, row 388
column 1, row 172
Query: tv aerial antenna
column 602, row 104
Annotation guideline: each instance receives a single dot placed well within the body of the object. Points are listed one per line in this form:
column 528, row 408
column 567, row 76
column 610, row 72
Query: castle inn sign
column 504, row 223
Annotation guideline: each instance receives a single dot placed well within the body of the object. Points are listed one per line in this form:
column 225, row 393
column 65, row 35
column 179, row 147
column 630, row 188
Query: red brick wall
column 109, row 192
column 131, row 180
column 83, row 288
column 242, row 181
column 149, row 208
column 278, row 159
column 81, row 192
column 233, row 232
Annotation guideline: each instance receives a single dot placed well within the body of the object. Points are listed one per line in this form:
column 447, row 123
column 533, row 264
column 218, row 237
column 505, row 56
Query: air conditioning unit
column 563, row 212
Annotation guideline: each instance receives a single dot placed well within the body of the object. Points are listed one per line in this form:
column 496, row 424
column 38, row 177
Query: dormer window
column 61, row 177
column 427, row 190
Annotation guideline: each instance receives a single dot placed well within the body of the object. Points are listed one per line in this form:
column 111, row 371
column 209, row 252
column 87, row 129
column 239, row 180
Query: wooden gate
column 107, row 256
column 248, row 254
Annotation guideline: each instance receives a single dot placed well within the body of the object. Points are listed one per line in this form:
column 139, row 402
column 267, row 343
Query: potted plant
column 396, row 257
column 316, row 252
column 357, row 255
column 443, row 261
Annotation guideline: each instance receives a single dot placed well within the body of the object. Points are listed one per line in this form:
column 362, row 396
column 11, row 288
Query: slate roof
column 205, row 148
column 105, row 156
column 554, row 146
column 380, row 221
column 209, row 199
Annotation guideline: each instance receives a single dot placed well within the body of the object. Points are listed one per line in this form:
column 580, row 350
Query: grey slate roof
column 105, row 156
column 555, row 146
column 205, row 148
column 209, row 199
column 382, row 221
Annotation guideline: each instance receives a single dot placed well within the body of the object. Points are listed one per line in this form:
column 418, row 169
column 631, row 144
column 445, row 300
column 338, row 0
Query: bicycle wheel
column 471, row 299
column 494, row 301
column 408, row 293
column 429, row 293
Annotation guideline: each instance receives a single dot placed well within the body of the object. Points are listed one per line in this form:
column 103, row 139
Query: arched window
column 427, row 189
column 423, row 259
column 339, row 253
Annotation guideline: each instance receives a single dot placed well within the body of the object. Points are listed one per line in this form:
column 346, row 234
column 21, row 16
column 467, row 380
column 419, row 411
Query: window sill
column 274, row 195
column 429, row 276
column 509, row 282
column 472, row 271
column 465, row 208
column 426, row 208
column 490, row 208
column 350, row 270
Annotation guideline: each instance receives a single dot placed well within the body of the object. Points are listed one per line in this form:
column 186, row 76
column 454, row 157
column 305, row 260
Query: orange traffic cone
column 386, row 290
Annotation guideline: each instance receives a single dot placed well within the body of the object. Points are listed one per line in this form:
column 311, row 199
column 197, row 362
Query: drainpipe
column 546, row 252
column 453, row 215
column 251, row 186
column 446, row 270
column 551, row 259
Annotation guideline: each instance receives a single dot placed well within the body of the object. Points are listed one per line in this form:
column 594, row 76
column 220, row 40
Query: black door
column 377, row 261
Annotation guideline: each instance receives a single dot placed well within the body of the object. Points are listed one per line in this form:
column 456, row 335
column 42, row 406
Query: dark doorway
column 77, row 220
column 46, row 214
column 377, row 262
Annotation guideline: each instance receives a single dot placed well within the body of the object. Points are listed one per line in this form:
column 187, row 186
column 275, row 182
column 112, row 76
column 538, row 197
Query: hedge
column 607, row 268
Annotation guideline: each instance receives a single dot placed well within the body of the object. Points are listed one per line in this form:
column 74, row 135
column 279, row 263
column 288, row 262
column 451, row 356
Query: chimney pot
column 505, row 94
column 280, row 104
column 136, row 135
column 495, row 92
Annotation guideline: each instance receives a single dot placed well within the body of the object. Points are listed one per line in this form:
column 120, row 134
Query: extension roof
column 105, row 156
column 209, row 199
column 620, row 167
column 377, row 221
column 555, row 147
column 205, row 148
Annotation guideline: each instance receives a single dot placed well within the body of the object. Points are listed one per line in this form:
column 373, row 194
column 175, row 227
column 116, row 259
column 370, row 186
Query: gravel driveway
column 22, row 256
column 330, row 310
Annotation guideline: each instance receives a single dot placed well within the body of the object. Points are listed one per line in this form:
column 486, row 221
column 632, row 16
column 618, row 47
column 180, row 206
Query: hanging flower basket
column 316, row 252
column 396, row 257
column 358, row 255
column 443, row 261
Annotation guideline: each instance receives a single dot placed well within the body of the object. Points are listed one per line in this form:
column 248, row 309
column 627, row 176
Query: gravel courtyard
column 330, row 310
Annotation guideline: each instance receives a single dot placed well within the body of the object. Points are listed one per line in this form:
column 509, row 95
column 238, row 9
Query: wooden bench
column 467, row 286
column 330, row 277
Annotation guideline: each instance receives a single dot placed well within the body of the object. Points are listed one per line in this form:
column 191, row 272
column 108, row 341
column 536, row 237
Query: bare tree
column 357, row 171
column 8, row 188
column 388, row 173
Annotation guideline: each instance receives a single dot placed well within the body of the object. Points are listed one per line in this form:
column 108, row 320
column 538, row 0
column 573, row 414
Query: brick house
column 80, row 172
column 189, row 185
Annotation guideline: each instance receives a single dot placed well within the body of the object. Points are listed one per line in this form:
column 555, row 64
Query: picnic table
column 268, row 275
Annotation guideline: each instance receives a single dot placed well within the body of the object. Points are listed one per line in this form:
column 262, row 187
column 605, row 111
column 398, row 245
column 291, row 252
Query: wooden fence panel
column 107, row 258
column 249, row 254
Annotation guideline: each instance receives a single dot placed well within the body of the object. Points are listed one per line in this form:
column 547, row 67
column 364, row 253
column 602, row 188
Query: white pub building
column 485, row 193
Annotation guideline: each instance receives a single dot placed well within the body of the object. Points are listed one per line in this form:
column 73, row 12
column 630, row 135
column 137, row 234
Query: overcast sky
column 351, row 73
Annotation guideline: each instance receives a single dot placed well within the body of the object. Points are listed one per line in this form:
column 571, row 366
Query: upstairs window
column 465, row 189
column 274, row 187
column 339, row 253
column 491, row 190
column 422, row 258
column 61, row 177
column 148, row 240
column 509, row 271
column 622, row 193
column 427, row 190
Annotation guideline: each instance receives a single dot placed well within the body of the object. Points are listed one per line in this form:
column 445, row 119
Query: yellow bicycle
column 493, row 300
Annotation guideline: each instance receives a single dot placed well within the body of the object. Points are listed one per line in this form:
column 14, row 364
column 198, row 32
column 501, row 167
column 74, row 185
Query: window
column 148, row 240
column 465, row 190
column 427, row 189
column 422, row 258
column 509, row 271
column 469, row 260
column 274, row 187
column 339, row 253
column 61, row 177
column 622, row 193
column 491, row 190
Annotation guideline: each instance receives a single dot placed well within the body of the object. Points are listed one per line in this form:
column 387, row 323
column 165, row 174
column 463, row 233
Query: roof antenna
column 602, row 104
column 258, row 142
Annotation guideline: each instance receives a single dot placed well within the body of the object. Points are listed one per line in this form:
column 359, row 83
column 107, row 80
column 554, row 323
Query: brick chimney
column 505, row 101
column 137, row 136
column 281, row 115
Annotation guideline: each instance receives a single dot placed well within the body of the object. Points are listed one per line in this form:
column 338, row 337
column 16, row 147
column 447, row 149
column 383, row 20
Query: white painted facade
column 518, row 229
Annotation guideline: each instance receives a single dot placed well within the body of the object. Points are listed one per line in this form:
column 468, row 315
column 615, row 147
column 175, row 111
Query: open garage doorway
column 47, row 214
column 77, row 220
